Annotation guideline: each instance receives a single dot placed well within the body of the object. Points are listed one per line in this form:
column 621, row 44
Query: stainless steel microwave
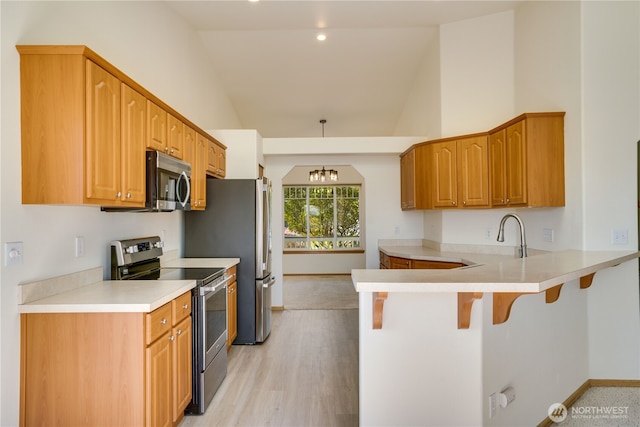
column 168, row 183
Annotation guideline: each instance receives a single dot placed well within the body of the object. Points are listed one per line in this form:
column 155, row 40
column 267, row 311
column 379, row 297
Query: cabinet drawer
column 180, row 307
column 399, row 263
column 424, row 264
column 157, row 323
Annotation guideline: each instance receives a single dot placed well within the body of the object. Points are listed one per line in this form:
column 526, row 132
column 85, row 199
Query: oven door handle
column 204, row 290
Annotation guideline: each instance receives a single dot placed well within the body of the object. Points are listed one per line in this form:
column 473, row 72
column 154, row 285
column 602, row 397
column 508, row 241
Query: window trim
column 335, row 237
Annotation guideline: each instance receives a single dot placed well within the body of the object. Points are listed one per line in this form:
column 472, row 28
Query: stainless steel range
column 137, row 259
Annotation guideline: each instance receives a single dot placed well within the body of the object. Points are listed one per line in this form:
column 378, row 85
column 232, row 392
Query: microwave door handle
column 184, row 176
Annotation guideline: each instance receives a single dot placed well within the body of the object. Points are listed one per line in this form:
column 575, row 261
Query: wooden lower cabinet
column 232, row 307
column 424, row 264
column 392, row 262
column 399, row 263
column 105, row 369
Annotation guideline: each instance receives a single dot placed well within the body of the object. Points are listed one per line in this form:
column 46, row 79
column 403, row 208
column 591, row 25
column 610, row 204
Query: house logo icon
column 557, row 412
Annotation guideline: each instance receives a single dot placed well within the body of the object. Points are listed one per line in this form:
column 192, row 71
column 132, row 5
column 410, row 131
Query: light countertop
column 112, row 296
column 85, row 292
column 488, row 272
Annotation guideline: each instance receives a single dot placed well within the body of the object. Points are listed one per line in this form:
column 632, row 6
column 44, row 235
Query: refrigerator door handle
column 270, row 283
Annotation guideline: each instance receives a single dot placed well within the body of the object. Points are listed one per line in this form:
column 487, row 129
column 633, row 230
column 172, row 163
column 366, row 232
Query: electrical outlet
column 493, row 402
column 488, row 233
column 547, row 234
column 620, row 237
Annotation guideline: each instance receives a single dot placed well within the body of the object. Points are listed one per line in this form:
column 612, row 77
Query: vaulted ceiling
column 282, row 81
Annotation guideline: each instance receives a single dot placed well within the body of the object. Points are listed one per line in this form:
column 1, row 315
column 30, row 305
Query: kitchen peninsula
column 434, row 346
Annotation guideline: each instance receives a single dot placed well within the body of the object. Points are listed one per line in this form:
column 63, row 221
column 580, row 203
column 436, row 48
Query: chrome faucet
column 523, row 240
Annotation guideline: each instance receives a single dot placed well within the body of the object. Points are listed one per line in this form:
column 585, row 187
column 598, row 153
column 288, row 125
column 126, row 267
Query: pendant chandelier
column 322, row 175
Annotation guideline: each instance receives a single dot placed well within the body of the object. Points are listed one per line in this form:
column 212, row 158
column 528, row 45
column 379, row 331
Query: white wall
column 158, row 50
column 560, row 60
column 381, row 172
column 244, row 152
column 611, row 129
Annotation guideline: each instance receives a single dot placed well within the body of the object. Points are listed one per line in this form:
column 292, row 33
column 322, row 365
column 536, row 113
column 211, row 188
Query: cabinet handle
column 464, row 203
column 163, row 322
column 172, row 150
column 172, row 338
column 186, row 306
column 501, row 200
column 179, row 332
column 508, row 201
column 166, row 148
column 119, row 194
column 128, row 195
column 453, row 202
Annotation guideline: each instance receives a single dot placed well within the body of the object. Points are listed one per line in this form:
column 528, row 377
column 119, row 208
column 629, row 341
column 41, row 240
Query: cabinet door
column 473, row 171
column 444, row 187
column 212, row 157
column 222, row 162
column 399, row 263
column 232, row 313
column 498, row 167
column 158, row 380
column 102, row 155
column 199, row 175
column 156, row 127
column 175, row 137
column 407, row 180
column 134, row 119
column 516, row 164
column 182, row 348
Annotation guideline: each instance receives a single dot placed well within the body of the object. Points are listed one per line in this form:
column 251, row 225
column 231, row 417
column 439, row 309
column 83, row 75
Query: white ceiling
column 282, row 81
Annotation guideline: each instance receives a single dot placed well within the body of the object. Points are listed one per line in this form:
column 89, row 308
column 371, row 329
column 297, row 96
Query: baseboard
column 277, row 308
column 586, row 386
column 317, row 274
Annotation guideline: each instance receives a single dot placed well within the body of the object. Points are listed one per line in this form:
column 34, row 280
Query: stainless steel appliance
column 137, row 259
column 168, row 185
column 237, row 223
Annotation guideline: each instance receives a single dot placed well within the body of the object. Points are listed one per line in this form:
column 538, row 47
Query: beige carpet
column 330, row 292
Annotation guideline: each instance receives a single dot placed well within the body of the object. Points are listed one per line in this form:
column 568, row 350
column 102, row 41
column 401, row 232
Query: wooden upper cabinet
column 85, row 128
column 444, row 174
column 102, row 155
column 216, row 160
column 527, row 161
column 175, row 137
column 199, row 174
column 156, row 128
column 134, row 119
column 473, row 171
column 407, row 179
column 519, row 163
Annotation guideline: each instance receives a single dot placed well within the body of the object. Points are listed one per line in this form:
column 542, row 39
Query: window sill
column 323, row 252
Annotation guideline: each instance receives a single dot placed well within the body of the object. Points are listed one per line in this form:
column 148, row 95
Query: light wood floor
column 319, row 292
column 305, row 374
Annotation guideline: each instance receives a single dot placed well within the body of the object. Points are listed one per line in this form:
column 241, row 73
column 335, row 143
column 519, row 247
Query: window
column 322, row 218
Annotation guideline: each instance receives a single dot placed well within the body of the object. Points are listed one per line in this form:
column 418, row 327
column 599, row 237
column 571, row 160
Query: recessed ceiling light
column 321, row 37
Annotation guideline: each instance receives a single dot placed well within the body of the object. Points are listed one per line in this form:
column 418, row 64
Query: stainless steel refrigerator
column 237, row 224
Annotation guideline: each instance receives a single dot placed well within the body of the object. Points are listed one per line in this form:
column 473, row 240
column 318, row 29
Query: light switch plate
column 12, row 253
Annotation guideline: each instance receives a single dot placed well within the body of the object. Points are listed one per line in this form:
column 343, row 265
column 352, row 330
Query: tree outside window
column 323, row 218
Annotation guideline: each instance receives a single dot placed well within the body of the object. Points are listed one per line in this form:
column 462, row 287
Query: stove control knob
column 132, row 249
column 158, row 245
